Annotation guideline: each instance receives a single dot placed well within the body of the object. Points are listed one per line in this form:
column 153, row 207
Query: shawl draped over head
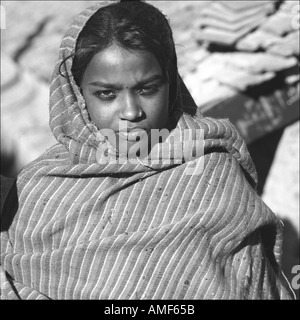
column 90, row 230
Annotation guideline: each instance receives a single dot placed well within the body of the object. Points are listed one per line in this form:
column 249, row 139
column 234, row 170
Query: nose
column 130, row 109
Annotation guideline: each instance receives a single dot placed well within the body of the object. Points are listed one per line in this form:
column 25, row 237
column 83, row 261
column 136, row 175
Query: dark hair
column 133, row 25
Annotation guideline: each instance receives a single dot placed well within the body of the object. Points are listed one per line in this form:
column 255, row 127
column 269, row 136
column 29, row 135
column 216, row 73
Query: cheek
column 160, row 113
column 92, row 110
column 99, row 116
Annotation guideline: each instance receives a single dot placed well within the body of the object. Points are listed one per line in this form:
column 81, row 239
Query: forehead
column 116, row 64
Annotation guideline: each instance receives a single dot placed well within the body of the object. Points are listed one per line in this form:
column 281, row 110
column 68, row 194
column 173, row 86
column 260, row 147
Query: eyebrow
column 156, row 77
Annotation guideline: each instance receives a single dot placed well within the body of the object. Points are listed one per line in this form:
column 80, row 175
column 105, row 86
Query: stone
column 234, row 26
column 207, row 93
column 241, row 6
column 279, row 24
column 242, row 80
column 259, row 39
column 225, row 37
column 218, row 11
column 287, row 46
column 256, row 63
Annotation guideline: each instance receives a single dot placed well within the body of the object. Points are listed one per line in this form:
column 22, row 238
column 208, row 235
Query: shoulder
column 221, row 136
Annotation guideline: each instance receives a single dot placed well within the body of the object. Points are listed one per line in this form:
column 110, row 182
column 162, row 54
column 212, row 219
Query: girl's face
column 125, row 92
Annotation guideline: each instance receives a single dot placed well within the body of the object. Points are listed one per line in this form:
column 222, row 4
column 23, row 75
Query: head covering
column 69, row 118
column 87, row 230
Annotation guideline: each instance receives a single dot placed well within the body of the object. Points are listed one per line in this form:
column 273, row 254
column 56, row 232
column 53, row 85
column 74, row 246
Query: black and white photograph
column 150, row 151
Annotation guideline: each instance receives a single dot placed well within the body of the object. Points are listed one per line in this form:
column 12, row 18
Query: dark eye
column 148, row 90
column 105, row 94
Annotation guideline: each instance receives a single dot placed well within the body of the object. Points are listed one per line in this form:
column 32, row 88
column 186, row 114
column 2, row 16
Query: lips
column 132, row 134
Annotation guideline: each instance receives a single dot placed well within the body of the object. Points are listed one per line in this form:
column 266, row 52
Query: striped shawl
column 85, row 230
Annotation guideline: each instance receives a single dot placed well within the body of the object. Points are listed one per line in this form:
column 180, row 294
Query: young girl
column 86, row 228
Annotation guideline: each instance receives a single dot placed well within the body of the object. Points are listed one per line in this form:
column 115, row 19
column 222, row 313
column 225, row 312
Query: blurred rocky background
column 239, row 59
